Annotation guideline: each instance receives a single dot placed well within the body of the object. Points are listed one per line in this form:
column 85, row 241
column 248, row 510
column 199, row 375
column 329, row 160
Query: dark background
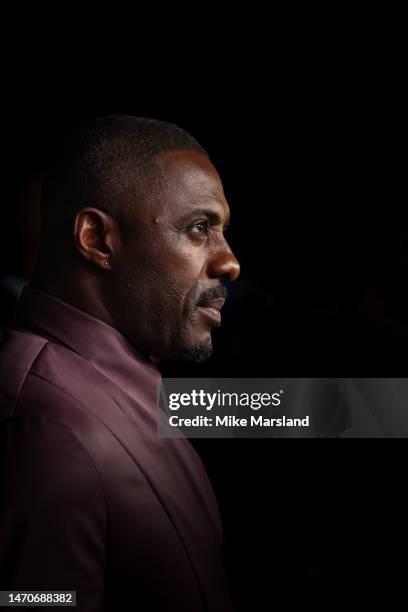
column 310, row 147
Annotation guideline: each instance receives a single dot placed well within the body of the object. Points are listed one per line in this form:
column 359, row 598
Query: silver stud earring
column 106, row 262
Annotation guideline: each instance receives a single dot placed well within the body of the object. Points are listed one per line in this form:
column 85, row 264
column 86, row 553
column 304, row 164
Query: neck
column 78, row 289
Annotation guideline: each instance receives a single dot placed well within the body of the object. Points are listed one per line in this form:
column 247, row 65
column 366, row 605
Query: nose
column 224, row 264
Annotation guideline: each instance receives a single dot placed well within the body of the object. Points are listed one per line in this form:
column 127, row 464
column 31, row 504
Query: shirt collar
column 103, row 346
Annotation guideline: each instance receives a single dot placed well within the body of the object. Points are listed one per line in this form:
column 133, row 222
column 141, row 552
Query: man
column 132, row 270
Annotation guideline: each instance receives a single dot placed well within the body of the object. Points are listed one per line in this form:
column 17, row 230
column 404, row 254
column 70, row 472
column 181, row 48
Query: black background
column 309, row 143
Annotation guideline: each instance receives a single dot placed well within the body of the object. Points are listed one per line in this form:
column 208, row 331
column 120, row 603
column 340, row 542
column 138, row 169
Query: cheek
column 166, row 276
column 154, row 289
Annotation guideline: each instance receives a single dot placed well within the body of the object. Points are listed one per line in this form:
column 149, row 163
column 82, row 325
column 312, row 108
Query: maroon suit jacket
column 92, row 500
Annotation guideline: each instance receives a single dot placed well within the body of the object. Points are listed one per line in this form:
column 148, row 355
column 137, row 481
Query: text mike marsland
column 206, row 400
column 233, row 421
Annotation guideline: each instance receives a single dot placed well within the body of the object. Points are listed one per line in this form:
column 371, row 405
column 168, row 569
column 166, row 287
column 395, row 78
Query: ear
column 96, row 236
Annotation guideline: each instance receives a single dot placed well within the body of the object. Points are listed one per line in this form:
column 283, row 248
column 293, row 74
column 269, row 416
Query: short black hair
column 101, row 160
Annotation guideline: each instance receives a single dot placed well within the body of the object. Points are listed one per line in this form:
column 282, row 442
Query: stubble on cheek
column 158, row 307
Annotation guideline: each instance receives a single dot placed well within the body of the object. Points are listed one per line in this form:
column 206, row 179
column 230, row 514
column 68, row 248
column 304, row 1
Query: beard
column 197, row 352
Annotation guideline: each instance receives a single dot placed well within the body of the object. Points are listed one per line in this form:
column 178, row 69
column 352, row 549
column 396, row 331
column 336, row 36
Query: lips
column 216, row 303
column 211, row 309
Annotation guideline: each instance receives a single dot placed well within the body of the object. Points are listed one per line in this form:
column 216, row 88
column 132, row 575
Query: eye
column 199, row 228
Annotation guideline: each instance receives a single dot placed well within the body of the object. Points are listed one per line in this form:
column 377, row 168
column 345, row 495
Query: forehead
column 190, row 178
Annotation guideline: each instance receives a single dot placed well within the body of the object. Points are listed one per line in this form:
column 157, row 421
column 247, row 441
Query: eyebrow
column 213, row 216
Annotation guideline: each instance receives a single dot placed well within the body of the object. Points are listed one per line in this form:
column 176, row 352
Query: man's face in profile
column 174, row 260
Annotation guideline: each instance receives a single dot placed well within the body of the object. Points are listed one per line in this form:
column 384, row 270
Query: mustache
column 212, row 294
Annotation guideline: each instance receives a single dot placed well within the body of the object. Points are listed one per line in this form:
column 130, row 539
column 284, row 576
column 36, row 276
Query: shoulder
column 37, row 374
column 33, row 429
column 18, row 352
column 40, row 446
column 48, row 390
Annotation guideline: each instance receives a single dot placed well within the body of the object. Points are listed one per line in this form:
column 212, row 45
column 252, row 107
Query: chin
column 197, row 352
